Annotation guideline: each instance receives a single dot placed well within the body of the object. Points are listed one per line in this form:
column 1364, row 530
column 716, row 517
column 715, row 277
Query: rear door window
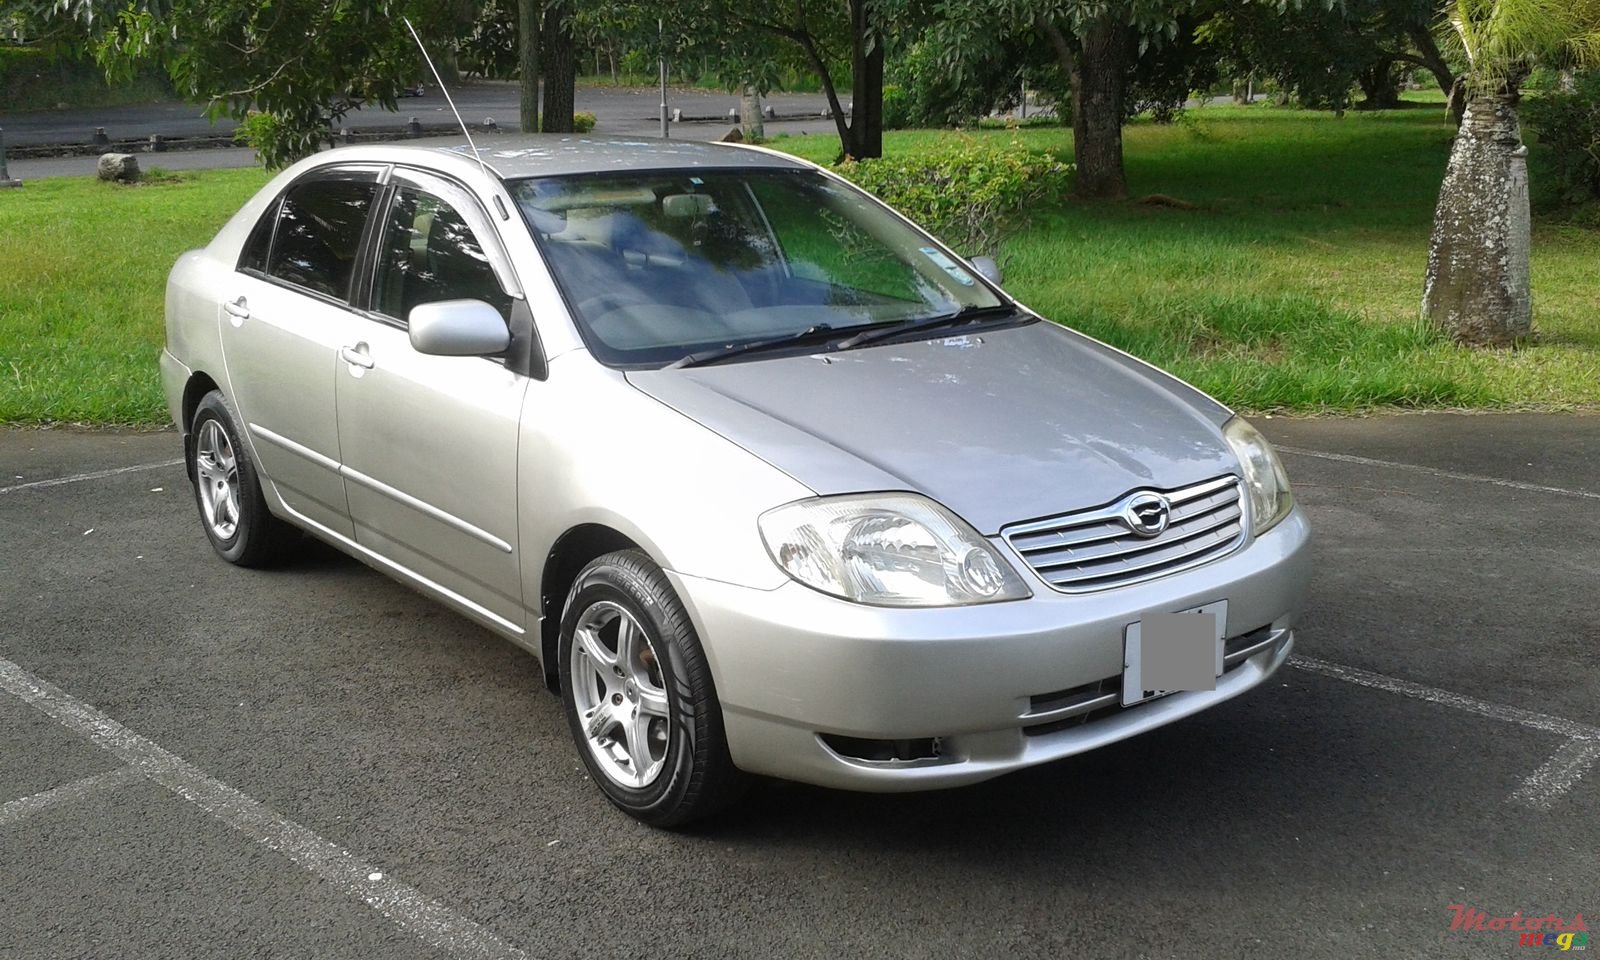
column 318, row 237
column 254, row 257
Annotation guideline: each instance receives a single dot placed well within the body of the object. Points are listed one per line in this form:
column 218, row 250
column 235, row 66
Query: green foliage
column 929, row 96
column 45, row 78
column 490, row 48
column 1280, row 291
column 1502, row 40
column 967, row 191
column 896, row 108
column 1171, row 68
column 1567, row 125
column 583, row 121
column 260, row 131
column 306, row 63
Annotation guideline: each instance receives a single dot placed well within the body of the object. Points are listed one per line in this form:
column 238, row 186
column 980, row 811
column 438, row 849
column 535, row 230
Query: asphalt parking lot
column 201, row 761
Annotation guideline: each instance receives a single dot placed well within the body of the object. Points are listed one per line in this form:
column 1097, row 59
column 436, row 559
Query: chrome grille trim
column 1095, row 549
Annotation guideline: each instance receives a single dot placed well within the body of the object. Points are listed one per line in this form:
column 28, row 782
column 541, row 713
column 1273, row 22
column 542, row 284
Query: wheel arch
column 571, row 552
column 194, row 390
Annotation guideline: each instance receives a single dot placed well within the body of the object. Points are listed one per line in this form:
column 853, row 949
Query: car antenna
column 447, row 98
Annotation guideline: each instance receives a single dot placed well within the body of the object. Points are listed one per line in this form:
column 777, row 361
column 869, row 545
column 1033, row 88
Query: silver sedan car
column 770, row 480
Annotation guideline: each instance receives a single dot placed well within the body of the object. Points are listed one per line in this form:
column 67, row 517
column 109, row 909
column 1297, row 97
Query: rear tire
column 639, row 697
column 227, row 491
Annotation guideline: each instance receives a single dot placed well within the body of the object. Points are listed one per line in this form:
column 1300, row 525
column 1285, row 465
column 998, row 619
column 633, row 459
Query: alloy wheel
column 619, row 694
column 217, row 475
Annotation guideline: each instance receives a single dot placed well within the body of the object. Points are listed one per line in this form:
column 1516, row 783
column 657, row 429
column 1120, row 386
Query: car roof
column 554, row 154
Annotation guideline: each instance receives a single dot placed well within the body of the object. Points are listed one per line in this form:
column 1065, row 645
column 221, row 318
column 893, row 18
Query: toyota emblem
column 1147, row 514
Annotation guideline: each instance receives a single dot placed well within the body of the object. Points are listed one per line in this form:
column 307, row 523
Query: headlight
column 891, row 549
column 1264, row 476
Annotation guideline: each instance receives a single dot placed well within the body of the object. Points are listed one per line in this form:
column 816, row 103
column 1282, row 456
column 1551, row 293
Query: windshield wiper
column 820, row 331
column 964, row 315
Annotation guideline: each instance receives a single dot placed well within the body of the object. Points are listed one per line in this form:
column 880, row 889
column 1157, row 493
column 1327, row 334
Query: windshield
column 659, row 265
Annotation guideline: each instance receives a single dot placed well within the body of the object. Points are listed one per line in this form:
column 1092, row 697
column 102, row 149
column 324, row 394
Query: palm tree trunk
column 1477, row 285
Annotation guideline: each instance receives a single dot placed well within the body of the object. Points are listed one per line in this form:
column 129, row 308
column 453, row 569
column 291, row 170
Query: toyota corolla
column 770, row 480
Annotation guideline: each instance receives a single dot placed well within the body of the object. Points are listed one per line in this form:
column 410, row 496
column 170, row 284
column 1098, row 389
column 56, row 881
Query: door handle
column 237, row 309
column 356, row 356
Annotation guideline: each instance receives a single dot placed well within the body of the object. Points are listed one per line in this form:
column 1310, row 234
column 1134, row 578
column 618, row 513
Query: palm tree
column 1477, row 284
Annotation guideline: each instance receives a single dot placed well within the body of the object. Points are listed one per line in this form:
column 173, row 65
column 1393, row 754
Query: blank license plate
column 1181, row 651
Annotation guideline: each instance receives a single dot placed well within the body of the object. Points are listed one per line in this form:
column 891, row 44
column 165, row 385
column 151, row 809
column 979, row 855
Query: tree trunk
column 1378, row 87
column 841, row 120
column 560, row 69
column 528, row 61
column 449, row 67
column 1477, row 284
column 1098, row 75
column 751, row 123
column 1428, row 52
column 1455, row 107
column 866, row 84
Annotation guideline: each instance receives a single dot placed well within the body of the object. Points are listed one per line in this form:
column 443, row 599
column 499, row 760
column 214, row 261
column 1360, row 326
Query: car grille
column 1097, row 549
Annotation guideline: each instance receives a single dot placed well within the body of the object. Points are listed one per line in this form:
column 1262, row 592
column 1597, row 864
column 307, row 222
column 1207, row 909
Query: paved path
column 243, row 157
column 476, row 102
column 202, row 761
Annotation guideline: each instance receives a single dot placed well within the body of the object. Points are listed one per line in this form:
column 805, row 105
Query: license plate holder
column 1133, row 689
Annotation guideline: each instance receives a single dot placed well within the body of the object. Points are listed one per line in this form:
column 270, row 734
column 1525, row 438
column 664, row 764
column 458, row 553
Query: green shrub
column 968, row 192
column 583, row 121
column 896, row 107
column 928, row 94
column 1566, row 123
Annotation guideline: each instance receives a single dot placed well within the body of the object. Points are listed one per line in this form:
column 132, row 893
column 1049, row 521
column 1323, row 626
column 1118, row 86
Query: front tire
column 227, row 491
column 639, row 698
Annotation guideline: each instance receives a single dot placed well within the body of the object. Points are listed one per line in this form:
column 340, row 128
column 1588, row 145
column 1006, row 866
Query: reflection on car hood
column 998, row 425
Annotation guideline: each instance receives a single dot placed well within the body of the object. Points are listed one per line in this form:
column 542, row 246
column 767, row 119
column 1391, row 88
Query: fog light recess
column 885, row 751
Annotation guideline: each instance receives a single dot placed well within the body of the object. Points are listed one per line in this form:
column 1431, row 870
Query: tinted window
column 319, row 234
column 428, row 254
column 254, row 256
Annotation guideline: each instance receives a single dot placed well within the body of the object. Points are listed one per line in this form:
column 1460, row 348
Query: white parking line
column 426, row 919
column 1436, row 472
column 1417, row 691
column 1540, row 789
column 76, row 790
column 92, row 475
column 1558, row 775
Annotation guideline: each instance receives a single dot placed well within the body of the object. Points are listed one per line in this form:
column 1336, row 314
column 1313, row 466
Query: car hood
column 1000, row 426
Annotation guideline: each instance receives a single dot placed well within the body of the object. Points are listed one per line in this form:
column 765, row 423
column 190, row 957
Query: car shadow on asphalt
column 1307, row 767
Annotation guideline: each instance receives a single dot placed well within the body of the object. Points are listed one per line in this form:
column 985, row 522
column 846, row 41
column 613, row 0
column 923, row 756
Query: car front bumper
column 997, row 687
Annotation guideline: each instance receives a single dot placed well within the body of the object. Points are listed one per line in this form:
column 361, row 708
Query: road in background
column 217, row 158
column 477, row 102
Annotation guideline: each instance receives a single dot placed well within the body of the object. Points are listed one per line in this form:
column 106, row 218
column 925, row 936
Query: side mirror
column 458, row 328
column 987, row 268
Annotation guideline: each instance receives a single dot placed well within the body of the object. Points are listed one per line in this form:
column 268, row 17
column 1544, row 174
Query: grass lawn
column 83, row 271
column 1293, row 284
column 1296, row 282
